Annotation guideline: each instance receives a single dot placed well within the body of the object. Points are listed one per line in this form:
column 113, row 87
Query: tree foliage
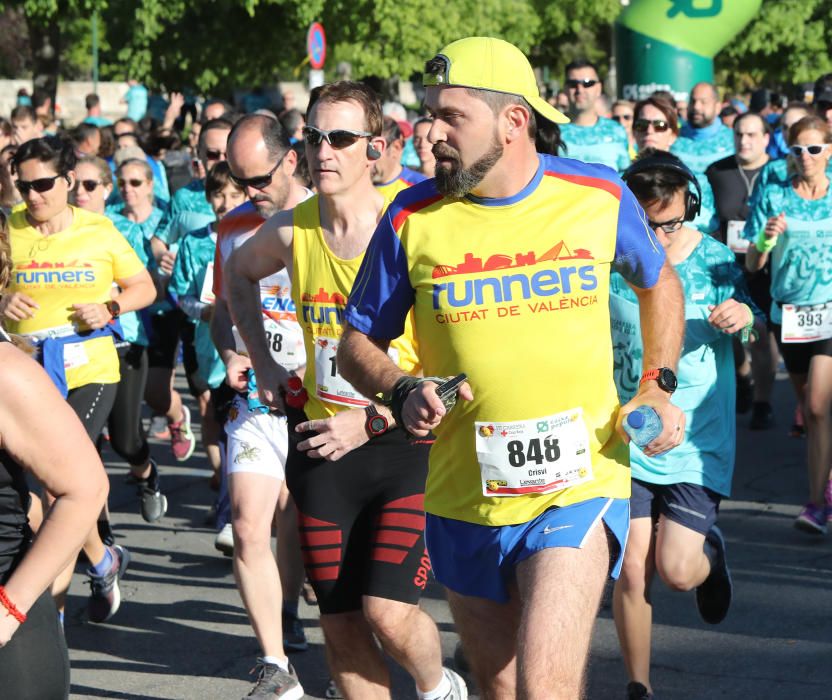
column 787, row 43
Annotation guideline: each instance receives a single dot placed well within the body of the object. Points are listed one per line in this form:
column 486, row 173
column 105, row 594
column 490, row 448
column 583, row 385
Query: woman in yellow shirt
column 65, row 261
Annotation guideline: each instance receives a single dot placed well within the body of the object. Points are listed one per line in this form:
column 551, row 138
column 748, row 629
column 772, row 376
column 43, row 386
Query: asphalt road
column 183, row 633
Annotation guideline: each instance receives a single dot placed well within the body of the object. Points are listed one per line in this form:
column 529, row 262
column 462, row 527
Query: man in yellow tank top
column 504, row 260
column 357, row 482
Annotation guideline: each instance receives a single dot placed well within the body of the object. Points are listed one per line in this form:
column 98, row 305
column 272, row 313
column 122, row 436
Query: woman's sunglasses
column 641, row 125
column 134, row 183
column 88, row 185
column 337, row 138
column 797, row 151
column 42, row 184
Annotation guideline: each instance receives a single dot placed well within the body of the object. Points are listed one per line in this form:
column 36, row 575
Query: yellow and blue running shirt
column 75, row 266
column 406, row 178
column 321, row 283
column 515, row 293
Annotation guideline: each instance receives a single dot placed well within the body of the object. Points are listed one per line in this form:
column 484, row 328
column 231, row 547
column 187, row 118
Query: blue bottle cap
column 635, row 419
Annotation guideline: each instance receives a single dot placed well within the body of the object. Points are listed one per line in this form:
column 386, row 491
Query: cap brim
column 543, row 108
column 824, row 96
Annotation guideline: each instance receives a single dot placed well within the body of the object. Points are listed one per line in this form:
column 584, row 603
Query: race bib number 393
column 806, row 324
column 541, row 455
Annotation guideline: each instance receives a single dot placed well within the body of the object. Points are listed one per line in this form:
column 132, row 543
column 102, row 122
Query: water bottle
column 643, row 425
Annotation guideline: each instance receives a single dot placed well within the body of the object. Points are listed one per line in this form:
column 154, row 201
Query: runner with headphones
column 675, row 496
column 357, row 482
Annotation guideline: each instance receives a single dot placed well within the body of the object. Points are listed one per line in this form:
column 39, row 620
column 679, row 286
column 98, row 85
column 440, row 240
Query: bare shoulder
column 278, row 228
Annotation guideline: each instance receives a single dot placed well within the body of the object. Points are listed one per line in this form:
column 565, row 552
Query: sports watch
column 664, row 376
column 113, row 308
column 376, row 423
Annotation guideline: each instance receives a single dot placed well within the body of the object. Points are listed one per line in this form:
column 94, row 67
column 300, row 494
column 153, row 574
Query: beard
column 455, row 181
column 273, row 201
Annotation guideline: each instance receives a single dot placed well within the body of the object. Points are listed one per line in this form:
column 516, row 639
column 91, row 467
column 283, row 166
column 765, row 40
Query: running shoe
column 812, row 520
column 182, row 440
column 105, row 596
column 827, row 497
column 105, row 532
column 159, row 428
column 458, row 691
column 713, row 595
column 638, row 691
column 154, row 502
column 762, row 416
column 274, row 683
column 294, row 637
column 745, row 393
column 224, row 541
column 798, row 429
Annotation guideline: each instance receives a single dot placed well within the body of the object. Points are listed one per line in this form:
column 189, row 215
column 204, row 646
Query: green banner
column 670, row 44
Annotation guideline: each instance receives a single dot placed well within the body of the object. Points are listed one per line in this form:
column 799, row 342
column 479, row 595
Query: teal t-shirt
column 605, row 142
column 698, row 148
column 801, row 262
column 196, row 251
column 189, row 211
column 131, row 322
column 706, row 391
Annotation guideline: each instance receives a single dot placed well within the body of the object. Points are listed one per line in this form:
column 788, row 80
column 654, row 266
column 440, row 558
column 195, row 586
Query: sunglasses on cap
column 258, row 182
column 214, row 154
column 797, row 151
column 133, row 182
column 573, row 83
column 88, row 185
column 42, row 184
column 337, row 138
column 622, row 118
column 641, row 125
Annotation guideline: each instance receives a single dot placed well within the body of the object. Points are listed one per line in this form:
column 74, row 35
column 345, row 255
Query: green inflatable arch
column 670, row 44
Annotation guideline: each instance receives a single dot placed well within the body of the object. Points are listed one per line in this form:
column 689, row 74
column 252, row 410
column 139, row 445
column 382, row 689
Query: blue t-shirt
column 706, row 391
column 136, row 97
column 801, row 262
column 605, row 142
column 189, row 211
column 98, row 121
column 196, row 251
column 698, row 148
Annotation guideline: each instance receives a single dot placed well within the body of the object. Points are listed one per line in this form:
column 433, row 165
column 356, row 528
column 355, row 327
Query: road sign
column 316, row 46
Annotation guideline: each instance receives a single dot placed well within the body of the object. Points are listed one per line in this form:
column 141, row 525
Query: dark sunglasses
column 125, row 134
column 122, row 183
column 259, row 182
column 42, row 184
column 622, row 118
column 214, row 154
column 337, row 138
column 797, row 151
column 573, row 83
column 88, row 185
column 641, row 125
column 667, row 226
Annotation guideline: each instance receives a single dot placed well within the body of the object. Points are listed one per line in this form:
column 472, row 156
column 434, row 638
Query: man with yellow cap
column 505, row 260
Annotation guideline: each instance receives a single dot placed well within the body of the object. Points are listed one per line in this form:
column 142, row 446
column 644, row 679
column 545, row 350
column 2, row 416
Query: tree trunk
column 45, row 43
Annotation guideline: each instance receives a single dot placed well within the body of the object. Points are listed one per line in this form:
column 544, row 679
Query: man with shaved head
column 704, row 139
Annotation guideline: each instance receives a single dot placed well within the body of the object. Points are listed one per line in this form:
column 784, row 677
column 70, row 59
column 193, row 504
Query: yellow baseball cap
column 486, row 63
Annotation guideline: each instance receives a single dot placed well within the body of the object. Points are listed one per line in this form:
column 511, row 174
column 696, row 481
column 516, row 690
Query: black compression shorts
column 361, row 519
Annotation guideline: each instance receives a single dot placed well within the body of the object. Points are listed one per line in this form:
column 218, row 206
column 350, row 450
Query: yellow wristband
column 764, row 244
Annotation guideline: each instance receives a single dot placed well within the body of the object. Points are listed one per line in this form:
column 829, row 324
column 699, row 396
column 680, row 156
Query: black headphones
column 662, row 160
column 372, row 152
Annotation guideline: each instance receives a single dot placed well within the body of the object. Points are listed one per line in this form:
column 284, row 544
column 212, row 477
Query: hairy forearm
column 662, row 315
column 365, row 364
column 221, row 329
column 247, row 316
column 61, row 535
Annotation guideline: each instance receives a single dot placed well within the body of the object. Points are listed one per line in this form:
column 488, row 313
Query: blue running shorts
column 479, row 560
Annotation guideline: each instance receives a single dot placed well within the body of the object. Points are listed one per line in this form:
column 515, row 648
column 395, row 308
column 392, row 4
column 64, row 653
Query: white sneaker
column 224, row 540
column 458, row 691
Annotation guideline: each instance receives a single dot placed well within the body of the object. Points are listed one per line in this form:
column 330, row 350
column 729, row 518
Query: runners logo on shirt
column 58, row 273
column 567, row 280
column 323, row 308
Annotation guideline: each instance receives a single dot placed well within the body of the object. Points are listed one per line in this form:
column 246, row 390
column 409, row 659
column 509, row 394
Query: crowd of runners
column 342, row 287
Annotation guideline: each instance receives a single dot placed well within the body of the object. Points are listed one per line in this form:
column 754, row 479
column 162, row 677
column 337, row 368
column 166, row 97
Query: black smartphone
column 448, row 391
